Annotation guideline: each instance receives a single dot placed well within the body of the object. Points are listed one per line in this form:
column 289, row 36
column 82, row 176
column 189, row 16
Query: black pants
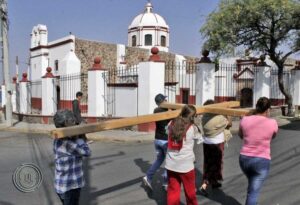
column 70, row 197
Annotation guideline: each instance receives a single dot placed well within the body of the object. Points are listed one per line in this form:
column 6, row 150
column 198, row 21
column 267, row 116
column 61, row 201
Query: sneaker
column 146, row 182
column 165, row 187
column 204, row 192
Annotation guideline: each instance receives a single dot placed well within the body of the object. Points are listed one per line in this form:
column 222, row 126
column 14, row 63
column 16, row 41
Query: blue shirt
column 68, row 163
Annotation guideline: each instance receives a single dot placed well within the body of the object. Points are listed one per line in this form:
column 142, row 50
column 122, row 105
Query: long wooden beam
column 125, row 122
column 176, row 106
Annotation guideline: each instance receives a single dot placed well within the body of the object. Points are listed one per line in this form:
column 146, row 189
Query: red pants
column 188, row 181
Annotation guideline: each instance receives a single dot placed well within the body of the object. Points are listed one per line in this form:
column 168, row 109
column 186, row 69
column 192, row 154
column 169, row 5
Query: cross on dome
column 149, row 7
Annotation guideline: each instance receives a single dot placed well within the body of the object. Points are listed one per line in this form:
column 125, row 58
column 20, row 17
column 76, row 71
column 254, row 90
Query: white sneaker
column 165, row 187
column 146, row 182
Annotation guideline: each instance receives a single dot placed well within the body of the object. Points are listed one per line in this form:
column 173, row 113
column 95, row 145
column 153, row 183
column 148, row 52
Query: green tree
column 268, row 26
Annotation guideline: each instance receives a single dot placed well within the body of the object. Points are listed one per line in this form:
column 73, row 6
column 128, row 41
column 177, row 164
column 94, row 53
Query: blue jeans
column 161, row 147
column 256, row 169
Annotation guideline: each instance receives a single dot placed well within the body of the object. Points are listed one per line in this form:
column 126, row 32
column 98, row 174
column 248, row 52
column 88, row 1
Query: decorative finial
column 149, row 7
column 154, row 57
column 205, row 58
column 262, row 60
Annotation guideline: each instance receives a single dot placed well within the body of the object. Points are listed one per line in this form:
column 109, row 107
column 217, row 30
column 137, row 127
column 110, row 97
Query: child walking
column 160, row 144
column 68, row 152
column 180, row 157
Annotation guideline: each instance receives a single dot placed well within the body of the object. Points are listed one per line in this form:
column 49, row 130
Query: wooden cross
column 225, row 108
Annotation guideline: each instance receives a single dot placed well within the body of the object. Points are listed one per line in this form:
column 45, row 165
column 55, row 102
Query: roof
column 148, row 18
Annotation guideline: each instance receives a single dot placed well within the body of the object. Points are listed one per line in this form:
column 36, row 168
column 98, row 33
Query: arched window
column 163, row 41
column 148, row 40
column 133, row 40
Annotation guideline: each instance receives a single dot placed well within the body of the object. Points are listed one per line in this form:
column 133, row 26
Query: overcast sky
column 102, row 20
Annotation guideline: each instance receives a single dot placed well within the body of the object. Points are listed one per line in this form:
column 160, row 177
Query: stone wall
column 87, row 50
column 135, row 55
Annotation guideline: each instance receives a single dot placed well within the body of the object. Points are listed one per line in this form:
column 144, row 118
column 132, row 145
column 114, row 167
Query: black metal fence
column 277, row 97
column 180, row 82
column 35, row 95
column 234, row 84
column 67, row 86
column 114, row 78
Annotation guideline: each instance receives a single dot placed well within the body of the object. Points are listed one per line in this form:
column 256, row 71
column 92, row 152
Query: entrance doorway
column 246, row 97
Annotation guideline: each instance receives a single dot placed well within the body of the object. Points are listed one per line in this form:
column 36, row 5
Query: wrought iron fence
column 117, row 77
column 180, row 82
column 35, row 96
column 67, row 86
column 234, row 84
column 277, row 98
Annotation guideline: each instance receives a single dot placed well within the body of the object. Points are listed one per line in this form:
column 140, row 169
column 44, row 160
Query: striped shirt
column 68, row 163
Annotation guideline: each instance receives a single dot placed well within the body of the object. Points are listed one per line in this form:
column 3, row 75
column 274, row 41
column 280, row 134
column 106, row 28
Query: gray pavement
column 115, row 169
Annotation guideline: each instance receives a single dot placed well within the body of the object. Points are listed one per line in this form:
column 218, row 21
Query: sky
column 104, row 21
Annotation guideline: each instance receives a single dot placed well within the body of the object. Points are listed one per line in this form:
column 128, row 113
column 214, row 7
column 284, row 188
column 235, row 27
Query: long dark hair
column 185, row 118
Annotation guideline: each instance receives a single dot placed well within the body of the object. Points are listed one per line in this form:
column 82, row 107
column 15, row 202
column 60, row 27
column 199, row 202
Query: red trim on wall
column 67, row 104
column 36, row 103
column 45, row 120
column 178, row 99
column 171, row 83
column 192, row 99
column 223, row 99
column 122, row 85
column 53, row 45
column 43, row 54
column 277, row 102
column 84, row 108
column 91, row 119
column 146, row 127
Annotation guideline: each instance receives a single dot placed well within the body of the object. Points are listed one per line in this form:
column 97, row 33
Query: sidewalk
column 117, row 135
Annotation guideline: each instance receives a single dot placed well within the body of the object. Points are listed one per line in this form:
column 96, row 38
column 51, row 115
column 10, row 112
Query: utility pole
column 4, row 35
column 17, row 68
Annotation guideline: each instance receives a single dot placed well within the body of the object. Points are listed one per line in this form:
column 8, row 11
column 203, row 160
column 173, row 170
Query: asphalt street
column 115, row 169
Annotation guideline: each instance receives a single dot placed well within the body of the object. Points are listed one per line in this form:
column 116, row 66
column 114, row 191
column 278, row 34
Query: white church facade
column 121, row 80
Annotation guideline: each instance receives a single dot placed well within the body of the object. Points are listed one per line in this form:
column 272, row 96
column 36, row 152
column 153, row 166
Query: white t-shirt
column 182, row 160
column 214, row 140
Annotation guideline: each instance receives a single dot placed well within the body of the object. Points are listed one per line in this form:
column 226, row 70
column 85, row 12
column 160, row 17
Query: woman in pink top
column 257, row 131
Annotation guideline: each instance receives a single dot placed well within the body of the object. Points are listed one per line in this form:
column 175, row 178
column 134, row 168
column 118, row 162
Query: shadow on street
column 293, row 125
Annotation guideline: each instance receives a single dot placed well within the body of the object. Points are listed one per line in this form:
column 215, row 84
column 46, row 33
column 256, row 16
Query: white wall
column 38, row 64
column 46, row 57
column 49, row 96
column 126, row 101
column 151, row 82
column 205, row 82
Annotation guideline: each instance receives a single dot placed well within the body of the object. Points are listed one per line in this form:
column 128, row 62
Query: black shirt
column 160, row 131
column 77, row 111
